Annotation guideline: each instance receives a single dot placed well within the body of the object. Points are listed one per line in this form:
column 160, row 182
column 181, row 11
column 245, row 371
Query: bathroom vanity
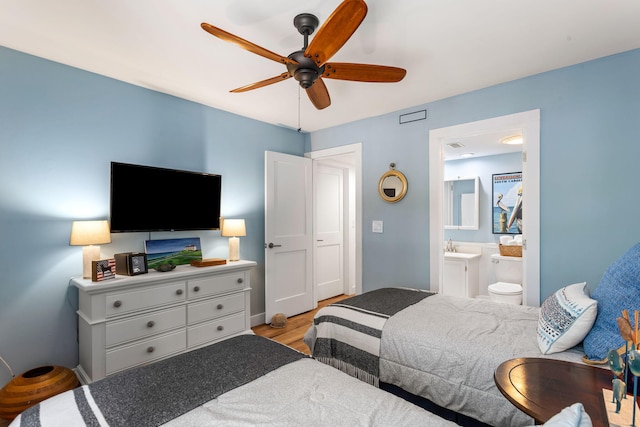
column 460, row 274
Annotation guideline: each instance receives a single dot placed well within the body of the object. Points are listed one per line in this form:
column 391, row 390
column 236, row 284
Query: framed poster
column 507, row 203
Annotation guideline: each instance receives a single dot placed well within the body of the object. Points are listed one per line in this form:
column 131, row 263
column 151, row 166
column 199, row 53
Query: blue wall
column 589, row 201
column 60, row 128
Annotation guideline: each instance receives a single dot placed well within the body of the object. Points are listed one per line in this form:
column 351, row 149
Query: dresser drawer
column 215, row 330
column 126, row 302
column 222, row 283
column 217, row 307
column 137, row 327
column 145, row 351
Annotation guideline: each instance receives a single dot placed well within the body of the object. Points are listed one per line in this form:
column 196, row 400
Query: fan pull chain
column 299, row 127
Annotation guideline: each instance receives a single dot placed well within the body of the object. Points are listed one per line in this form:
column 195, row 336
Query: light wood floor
column 295, row 328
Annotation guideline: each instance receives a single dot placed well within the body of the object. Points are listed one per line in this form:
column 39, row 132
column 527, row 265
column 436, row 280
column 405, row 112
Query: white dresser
column 134, row 320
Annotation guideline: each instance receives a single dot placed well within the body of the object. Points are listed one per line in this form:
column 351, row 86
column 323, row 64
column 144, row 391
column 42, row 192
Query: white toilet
column 508, row 271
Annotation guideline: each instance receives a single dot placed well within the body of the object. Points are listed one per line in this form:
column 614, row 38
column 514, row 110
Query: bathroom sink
column 460, row 255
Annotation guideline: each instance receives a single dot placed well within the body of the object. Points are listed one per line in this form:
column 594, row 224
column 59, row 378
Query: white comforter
column 323, row 398
column 451, row 359
column 301, row 393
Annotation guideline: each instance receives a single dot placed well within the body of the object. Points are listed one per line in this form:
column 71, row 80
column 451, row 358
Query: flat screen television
column 146, row 198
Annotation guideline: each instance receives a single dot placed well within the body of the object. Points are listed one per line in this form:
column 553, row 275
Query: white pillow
column 566, row 317
column 571, row 416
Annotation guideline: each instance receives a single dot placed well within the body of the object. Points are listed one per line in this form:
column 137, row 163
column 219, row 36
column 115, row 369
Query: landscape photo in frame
column 172, row 251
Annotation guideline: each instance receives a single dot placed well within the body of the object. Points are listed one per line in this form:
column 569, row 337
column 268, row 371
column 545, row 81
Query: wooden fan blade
column 319, row 95
column 246, row 45
column 336, row 30
column 256, row 85
column 363, row 72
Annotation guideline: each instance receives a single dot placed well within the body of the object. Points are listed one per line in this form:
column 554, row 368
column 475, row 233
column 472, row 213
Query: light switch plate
column 376, row 226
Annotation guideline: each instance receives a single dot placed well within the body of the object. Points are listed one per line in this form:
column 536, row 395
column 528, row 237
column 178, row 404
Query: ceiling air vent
column 412, row 117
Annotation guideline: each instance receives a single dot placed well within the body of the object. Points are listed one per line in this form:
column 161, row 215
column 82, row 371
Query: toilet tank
column 507, row 268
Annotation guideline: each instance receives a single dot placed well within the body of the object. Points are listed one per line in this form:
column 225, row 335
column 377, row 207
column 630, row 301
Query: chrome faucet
column 450, row 247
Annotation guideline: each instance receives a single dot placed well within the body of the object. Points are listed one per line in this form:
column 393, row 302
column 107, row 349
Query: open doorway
column 528, row 123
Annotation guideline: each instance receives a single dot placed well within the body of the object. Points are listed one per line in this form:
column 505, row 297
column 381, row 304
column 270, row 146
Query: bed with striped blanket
column 438, row 351
column 243, row 381
column 346, row 335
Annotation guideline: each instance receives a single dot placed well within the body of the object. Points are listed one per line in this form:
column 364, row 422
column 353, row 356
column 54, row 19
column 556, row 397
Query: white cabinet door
column 454, row 278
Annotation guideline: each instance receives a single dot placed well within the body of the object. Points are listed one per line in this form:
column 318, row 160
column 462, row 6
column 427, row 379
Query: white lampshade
column 233, row 228
column 88, row 234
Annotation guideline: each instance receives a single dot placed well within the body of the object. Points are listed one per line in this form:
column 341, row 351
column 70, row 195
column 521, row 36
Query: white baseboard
column 258, row 319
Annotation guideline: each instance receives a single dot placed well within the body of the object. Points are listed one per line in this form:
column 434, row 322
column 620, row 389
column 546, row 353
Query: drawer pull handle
column 220, row 307
column 240, row 280
column 151, row 324
column 150, row 349
column 179, row 292
column 220, row 327
column 117, row 303
column 196, row 289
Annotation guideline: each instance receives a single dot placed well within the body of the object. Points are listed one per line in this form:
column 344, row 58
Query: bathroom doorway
column 528, row 123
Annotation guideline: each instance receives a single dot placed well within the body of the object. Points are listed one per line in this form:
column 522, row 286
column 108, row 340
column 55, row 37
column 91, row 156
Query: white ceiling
column 448, row 47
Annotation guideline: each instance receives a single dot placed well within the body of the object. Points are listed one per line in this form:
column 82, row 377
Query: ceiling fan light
column 305, row 76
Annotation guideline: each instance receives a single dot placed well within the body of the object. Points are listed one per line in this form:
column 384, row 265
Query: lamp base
column 234, row 249
column 89, row 253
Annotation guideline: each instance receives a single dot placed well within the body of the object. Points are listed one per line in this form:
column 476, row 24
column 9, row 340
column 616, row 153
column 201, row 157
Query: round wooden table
column 543, row 387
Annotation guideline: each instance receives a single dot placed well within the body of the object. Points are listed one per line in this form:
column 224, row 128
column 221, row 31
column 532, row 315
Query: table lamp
column 89, row 234
column 234, row 228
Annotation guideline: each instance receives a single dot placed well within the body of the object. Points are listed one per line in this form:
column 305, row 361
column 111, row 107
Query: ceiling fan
column 309, row 65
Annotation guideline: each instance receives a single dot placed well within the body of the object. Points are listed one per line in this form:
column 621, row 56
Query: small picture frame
column 103, row 269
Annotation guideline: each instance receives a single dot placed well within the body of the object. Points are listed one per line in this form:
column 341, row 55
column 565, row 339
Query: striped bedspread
column 155, row 394
column 346, row 335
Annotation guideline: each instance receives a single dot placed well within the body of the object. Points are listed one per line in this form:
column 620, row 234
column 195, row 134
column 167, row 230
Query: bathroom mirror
column 462, row 203
column 392, row 185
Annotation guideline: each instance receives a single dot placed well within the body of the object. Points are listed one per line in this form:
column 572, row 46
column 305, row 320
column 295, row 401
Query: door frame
column 529, row 123
column 329, row 154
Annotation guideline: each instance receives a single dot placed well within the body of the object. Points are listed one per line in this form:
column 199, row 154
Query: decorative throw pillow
column 618, row 290
column 571, row 416
column 565, row 318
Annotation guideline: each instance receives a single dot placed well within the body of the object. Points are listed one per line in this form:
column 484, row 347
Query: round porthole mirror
column 392, row 185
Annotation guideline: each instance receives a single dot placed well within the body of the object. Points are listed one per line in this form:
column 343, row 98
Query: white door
column 288, row 235
column 329, row 236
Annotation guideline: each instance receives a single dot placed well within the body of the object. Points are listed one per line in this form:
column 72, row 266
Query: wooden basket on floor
column 509, row 250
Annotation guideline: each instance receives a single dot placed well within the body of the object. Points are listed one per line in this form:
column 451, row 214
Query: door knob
column 271, row 246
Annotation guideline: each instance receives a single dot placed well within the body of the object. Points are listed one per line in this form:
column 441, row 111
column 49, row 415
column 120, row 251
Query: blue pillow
column 618, row 290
